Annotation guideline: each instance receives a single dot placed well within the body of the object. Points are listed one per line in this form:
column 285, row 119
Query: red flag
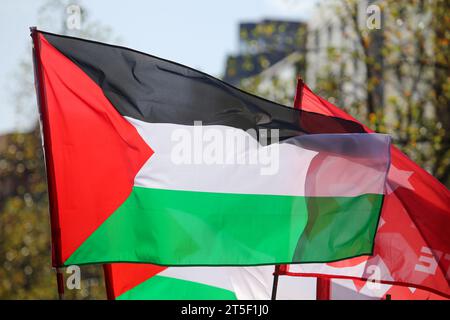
column 412, row 245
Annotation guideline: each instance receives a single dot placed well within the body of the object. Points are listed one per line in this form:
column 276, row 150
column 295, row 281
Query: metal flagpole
column 45, row 134
column 276, row 274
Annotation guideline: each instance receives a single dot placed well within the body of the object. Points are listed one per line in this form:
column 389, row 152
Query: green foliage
column 25, row 251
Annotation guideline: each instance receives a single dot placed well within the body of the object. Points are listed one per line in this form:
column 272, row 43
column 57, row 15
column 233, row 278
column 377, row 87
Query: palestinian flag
column 125, row 281
column 137, row 281
column 125, row 188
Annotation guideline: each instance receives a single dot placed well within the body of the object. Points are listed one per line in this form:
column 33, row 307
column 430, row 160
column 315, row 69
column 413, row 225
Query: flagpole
column 43, row 111
column 323, row 289
column 107, row 275
column 276, row 274
column 298, row 99
column 60, row 282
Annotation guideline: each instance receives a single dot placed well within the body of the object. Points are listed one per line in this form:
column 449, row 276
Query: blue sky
column 198, row 33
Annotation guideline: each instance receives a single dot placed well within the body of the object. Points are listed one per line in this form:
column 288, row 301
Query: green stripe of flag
column 200, row 228
column 162, row 288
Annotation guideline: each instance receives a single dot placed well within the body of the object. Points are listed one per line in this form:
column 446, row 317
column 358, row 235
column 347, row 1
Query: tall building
column 264, row 44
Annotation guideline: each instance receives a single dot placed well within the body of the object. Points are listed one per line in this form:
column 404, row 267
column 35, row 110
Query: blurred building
column 263, row 45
